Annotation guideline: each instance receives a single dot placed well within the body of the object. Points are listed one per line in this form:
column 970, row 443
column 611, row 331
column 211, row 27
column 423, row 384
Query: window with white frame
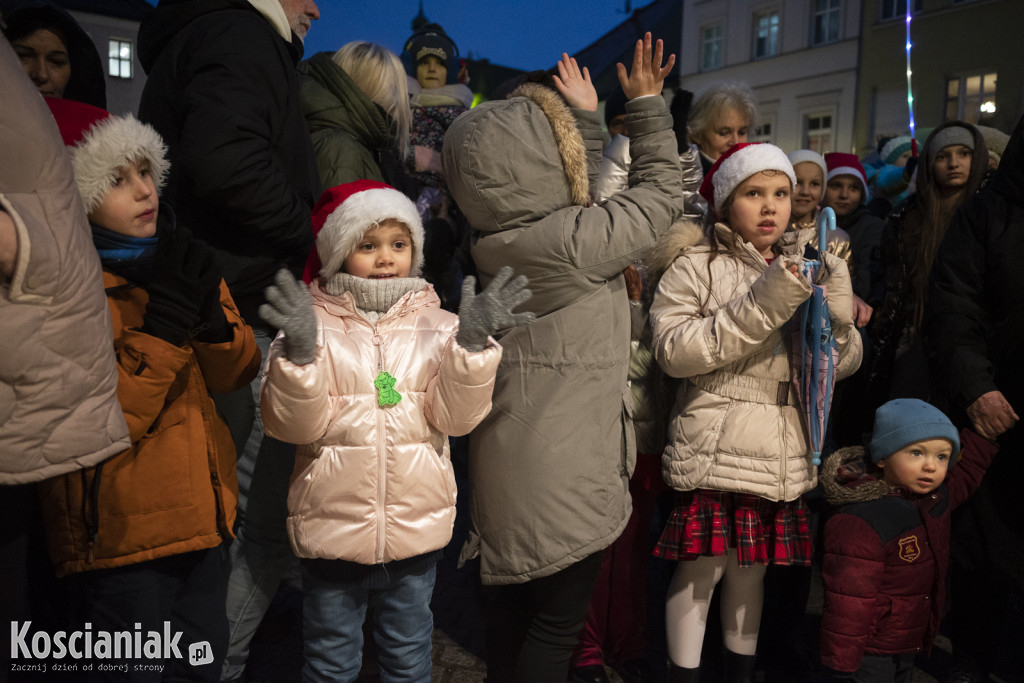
column 818, row 132
column 825, row 21
column 766, row 34
column 120, row 58
column 711, row 47
column 892, row 9
column 971, row 98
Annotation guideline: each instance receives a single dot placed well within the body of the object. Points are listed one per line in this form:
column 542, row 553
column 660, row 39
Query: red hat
column 343, row 215
column 737, row 164
column 99, row 142
column 842, row 163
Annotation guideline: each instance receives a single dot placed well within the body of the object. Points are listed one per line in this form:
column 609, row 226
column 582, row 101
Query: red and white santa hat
column 844, row 163
column 100, row 142
column 739, row 163
column 343, row 215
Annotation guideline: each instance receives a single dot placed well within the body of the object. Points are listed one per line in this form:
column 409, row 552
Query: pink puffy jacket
column 374, row 484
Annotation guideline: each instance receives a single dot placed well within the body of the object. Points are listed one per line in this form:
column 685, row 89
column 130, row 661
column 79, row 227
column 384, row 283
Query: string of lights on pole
column 910, row 91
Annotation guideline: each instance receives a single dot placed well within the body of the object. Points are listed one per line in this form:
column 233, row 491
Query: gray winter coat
column 550, row 465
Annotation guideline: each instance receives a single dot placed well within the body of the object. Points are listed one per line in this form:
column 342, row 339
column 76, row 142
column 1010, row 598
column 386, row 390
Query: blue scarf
column 130, row 257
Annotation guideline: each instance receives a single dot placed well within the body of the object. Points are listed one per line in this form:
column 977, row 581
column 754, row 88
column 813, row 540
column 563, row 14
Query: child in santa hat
column 369, row 376
column 141, row 533
column 738, row 448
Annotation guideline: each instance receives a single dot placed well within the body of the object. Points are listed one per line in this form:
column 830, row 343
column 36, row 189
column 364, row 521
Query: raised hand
column 483, row 314
column 289, row 308
column 574, row 85
column 647, row 77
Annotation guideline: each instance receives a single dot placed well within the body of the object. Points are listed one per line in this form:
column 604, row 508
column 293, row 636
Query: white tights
column 689, row 598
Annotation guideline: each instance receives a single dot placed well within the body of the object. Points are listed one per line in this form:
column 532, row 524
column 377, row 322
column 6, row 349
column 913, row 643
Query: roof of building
column 122, row 9
column 663, row 18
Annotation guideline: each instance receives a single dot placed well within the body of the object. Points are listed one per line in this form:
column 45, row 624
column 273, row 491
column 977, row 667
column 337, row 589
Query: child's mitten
column 483, row 314
column 181, row 280
column 289, row 308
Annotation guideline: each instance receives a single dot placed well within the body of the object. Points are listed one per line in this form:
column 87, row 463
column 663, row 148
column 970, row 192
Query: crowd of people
column 323, row 277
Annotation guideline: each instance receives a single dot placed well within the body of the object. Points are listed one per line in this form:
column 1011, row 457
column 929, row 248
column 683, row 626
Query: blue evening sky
column 525, row 34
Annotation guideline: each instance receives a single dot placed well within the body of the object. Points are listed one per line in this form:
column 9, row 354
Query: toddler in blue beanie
column 887, row 544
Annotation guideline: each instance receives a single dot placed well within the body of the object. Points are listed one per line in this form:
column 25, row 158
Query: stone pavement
column 276, row 653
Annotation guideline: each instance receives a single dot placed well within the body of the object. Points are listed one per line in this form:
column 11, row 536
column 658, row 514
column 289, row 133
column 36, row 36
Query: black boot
column 678, row 674
column 738, row 668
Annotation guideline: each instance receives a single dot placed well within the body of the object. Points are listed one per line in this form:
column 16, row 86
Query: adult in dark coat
column 223, row 92
column 56, row 53
column 974, row 323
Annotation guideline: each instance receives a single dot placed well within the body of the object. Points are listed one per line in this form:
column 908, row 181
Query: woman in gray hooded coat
column 550, row 465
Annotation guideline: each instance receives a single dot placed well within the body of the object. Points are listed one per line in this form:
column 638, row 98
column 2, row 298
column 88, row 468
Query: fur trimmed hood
column 688, row 233
column 502, row 151
column 846, row 478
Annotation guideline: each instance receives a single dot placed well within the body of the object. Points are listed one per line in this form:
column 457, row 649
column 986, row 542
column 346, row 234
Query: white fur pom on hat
column 739, row 163
column 100, row 142
column 345, row 212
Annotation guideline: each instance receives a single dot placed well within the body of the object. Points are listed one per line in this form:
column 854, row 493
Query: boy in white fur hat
column 369, row 376
column 141, row 533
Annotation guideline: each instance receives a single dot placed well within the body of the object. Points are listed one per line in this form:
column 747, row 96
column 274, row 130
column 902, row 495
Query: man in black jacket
column 223, row 92
column 974, row 325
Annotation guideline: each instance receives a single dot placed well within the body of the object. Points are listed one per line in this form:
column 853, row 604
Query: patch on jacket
column 909, row 549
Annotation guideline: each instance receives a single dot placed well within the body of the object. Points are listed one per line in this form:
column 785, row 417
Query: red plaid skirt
column 706, row 522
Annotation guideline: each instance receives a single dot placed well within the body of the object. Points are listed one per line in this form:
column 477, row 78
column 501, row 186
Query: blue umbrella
column 814, row 347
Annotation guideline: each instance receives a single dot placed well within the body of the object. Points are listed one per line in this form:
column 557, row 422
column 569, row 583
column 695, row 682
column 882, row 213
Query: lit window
column 120, row 58
column 897, row 8
column 711, row 47
column 766, row 34
column 825, row 21
column 763, row 133
column 818, row 132
column 971, row 98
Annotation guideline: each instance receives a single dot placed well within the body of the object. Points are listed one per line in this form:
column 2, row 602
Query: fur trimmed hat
column 842, row 163
column 805, row 155
column 100, row 142
column 904, row 421
column 345, row 212
column 739, row 163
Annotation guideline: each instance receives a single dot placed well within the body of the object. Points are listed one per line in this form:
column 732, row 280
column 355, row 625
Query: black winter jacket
column 974, row 324
column 865, row 230
column 222, row 90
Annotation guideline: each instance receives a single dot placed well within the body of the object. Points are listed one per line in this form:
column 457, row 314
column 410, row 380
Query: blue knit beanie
column 904, row 421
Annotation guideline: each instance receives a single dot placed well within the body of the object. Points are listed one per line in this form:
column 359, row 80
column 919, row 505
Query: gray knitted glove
column 289, row 308
column 483, row 314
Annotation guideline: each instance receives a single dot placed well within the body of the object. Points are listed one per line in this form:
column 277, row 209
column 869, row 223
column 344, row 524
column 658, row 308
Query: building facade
column 799, row 56
column 966, row 63
column 113, row 26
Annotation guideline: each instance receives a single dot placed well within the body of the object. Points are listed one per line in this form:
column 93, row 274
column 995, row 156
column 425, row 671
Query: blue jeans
column 260, row 554
column 400, row 619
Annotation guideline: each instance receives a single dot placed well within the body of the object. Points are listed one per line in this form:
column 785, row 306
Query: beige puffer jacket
column 721, row 323
column 58, row 374
column 374, row 484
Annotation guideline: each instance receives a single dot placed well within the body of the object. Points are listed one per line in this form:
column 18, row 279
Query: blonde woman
column 722, row 116
column 356, row 104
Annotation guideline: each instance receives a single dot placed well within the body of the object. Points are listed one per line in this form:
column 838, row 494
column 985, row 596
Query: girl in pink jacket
column 369, row 376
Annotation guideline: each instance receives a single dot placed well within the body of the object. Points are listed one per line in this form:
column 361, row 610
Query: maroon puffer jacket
column 886, row 554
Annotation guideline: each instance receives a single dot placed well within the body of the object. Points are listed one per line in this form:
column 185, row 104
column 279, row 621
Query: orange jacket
column 175, row 489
